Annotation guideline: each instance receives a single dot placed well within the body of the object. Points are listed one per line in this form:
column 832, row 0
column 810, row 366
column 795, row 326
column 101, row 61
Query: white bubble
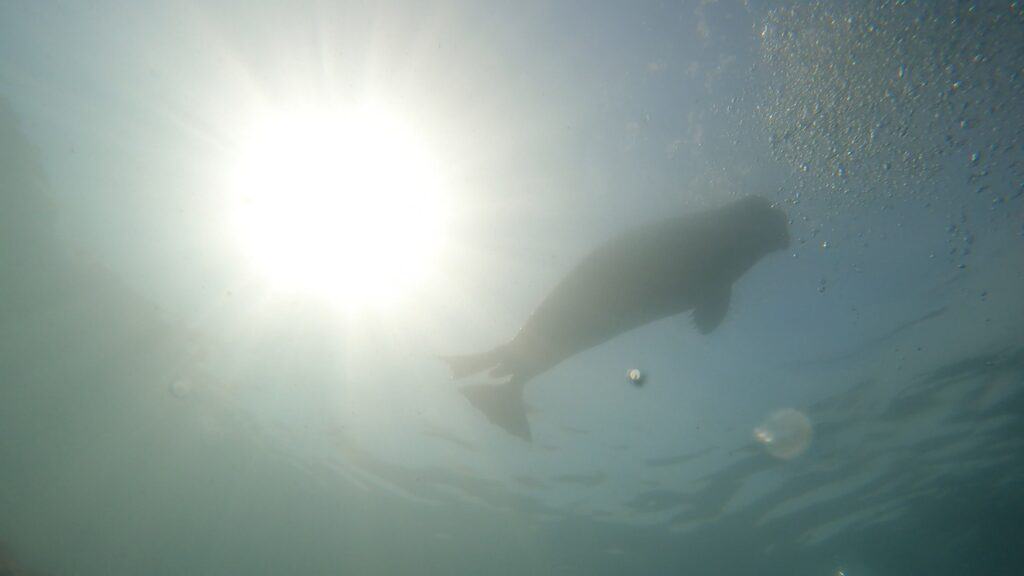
column 785, row 434
column 635, row 376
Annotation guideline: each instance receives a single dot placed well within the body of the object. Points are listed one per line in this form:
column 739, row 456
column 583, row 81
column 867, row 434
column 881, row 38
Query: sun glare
column 341, row 206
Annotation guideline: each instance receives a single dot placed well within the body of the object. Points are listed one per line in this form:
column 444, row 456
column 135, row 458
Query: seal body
column 672, row 266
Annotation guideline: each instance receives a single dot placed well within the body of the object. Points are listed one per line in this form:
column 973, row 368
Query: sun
column 345, row 206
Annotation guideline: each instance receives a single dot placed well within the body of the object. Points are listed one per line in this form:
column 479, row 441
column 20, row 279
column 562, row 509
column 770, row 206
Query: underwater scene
column 333, row 287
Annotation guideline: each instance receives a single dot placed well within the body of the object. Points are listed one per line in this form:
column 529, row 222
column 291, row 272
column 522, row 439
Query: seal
column 684, row 263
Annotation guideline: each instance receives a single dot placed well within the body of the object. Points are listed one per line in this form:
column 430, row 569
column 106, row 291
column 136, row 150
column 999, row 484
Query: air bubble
column 785, row 434
column 635, row 376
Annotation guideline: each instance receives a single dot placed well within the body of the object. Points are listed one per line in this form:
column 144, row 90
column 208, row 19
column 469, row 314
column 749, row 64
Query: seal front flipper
column 502, row 405
column 710, row 311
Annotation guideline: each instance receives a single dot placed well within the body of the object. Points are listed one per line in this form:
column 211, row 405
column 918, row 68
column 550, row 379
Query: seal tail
column 502, row 404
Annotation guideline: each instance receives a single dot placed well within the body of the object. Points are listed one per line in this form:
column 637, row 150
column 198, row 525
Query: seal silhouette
column 684, row 263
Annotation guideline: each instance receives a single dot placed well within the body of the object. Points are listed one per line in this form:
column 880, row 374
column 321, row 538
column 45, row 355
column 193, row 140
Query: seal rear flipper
column 710, row 312
column 502, row 405
column 469, row 364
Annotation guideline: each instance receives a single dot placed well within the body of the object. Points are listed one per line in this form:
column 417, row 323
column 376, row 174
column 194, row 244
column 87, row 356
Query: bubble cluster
column 890, row 93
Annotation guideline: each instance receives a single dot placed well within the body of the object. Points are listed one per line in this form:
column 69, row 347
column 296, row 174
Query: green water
column 170, row 403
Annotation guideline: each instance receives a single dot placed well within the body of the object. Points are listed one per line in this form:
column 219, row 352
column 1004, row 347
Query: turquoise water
column 170, row 403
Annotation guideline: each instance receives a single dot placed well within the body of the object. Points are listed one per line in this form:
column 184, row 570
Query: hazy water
column 164, row 411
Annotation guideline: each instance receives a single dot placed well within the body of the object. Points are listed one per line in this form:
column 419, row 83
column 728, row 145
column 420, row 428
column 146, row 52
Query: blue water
column 165, row 409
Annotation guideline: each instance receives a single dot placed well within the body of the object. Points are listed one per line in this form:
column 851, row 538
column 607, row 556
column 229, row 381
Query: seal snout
column 770, row 222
